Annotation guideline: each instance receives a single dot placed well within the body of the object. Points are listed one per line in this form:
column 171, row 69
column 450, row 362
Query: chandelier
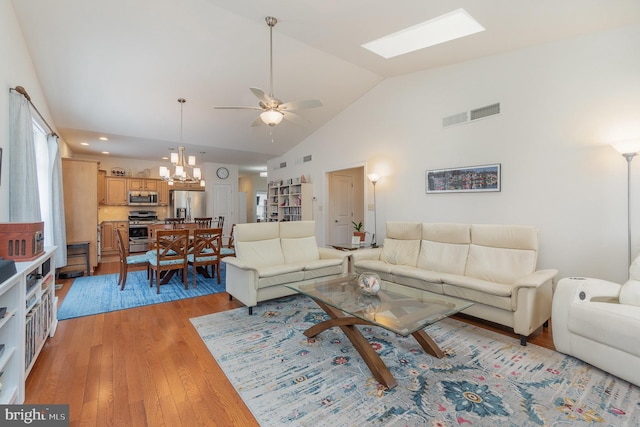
column 182, row 163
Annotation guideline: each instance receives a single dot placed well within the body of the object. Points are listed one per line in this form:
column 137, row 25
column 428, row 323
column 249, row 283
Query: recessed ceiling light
column 165, row 158
column 103, row 138
column 441, row 29
column 84, row 143
column 105, row 152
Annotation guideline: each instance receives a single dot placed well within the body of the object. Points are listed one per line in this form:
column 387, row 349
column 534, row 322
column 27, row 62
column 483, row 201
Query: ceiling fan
column 273, row 109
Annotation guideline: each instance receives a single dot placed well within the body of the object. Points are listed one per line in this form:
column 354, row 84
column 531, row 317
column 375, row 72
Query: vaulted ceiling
column 116, row 68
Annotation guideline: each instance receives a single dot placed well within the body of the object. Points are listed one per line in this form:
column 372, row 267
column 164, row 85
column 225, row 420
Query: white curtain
column 58, row 227
column 24, row 199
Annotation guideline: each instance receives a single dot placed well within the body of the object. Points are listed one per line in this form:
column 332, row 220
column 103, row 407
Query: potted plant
column 358, row 230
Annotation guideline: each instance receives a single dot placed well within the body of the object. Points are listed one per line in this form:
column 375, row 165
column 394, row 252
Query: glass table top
column 398, row 308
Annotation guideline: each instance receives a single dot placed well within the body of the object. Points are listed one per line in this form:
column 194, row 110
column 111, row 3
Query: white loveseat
column 493, row 266
column 598, row 322
column 270, row 255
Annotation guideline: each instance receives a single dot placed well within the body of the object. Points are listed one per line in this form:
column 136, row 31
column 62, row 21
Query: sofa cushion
column 322, row 268
column 255, row 231
column 488, row 287
column 505, row 236
column 630, row 293
column 260, row 253
column 300, row 250
column 399, row 271
column 595, row 319
column 404, row 230
column 444, row 257
column 297, row 229
column 447, row 233
column 479, row 296
column 401, row 252
column 495, row 264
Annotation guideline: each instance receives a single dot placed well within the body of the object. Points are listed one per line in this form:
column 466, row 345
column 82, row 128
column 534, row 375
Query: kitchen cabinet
column 163, row 193
column 80, row 181
column 142, row 184
column 116, row 191
column 108, row 242
column 102, row 174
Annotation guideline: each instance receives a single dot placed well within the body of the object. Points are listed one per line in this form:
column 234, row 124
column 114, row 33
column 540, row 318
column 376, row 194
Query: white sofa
column 598, row 322
column 493, row 266
column 270, row 255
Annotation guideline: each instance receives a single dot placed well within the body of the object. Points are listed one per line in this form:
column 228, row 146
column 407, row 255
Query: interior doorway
column 345, row 203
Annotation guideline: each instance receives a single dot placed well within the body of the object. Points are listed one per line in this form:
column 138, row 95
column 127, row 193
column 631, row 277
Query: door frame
column 360, row 194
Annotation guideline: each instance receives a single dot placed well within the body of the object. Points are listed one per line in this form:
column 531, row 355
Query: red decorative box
column 21, row 241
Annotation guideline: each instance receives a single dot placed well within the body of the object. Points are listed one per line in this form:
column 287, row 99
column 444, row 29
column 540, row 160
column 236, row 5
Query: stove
column 138, row 232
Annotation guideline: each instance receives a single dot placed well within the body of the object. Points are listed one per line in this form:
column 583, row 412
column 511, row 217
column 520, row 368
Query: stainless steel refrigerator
column 187, row 204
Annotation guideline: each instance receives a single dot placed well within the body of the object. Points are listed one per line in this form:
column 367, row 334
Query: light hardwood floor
column 147, row 367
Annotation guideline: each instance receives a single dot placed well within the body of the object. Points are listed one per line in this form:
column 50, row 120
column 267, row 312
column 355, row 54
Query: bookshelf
column 289, row 201
column 30, row 301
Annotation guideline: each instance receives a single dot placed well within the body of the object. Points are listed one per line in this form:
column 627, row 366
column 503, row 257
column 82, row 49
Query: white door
column 242, row 207
column 223, row 205
column 341, row 189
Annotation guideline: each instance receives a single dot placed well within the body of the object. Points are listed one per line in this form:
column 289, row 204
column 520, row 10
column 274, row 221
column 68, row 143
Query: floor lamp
column 374, row 178
column 628, row 149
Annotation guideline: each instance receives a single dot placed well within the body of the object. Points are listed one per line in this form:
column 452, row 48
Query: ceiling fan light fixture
column 271, row 117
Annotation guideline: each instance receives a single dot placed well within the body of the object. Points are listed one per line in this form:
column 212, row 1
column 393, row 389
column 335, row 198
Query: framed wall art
column 465, row 179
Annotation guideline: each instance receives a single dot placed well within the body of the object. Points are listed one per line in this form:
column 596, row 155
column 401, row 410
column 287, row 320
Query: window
column 44, row 162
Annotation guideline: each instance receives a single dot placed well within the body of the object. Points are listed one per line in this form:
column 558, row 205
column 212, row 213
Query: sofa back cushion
column 301, row 249
column 444, row 247
column 502, row 253
column 400, row 252
column 260, row 253
column 252, row 232
column 403, row 230
column 296, row 229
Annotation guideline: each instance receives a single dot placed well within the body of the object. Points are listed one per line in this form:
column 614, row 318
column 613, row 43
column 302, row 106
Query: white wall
column 16, row 70
column 561, row 105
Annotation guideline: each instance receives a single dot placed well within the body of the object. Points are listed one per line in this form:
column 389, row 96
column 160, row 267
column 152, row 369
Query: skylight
column 444, row 28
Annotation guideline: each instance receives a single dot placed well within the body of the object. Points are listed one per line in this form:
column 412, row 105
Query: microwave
column 143, row 198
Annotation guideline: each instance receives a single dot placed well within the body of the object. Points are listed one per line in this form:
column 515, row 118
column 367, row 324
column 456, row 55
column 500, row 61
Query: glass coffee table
column 400, row 309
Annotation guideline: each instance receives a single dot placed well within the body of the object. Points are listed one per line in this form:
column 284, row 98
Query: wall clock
column 223, row 173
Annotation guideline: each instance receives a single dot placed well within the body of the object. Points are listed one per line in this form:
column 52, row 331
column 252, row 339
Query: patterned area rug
column 486, row 379
column 100, row 294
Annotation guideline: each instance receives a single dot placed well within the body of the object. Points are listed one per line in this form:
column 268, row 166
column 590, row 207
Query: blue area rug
column 486, row 379
column 100, row 294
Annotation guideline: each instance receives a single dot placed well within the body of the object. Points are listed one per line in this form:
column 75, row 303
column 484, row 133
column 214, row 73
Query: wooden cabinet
column 163, row 193
column 108, row 242
column 80, row 181
column 143, row 184
column 116, row 191
column 289, row 201
column 29, row 296
column 102, row 174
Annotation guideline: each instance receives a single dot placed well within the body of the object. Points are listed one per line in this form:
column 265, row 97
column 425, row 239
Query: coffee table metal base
column 348, row 325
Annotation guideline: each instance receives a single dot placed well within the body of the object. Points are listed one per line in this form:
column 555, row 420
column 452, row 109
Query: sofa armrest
column 330, row 253
column 362, row 254
column 592, row 288
column 535, row 279
column 237, row 263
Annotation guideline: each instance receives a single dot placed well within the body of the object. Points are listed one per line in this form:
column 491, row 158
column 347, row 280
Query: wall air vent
column 306, row 158
column 469, row 116
column 283, row 165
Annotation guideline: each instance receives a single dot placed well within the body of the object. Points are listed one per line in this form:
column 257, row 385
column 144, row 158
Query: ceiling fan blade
column 259, row 93
column 257, row 122
column 295, row 118
column 299, row 105
column 237, row 108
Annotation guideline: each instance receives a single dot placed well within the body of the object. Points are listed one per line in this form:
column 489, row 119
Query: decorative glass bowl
column 369, row 283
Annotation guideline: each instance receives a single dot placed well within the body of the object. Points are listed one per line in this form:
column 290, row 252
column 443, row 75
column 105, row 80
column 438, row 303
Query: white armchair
column 599, row 322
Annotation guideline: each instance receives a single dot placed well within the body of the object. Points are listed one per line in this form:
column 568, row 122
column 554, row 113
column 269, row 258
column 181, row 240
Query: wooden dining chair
column 127, row 260
column 203, row 222
column 174, row 221
column 220, row 222
column 229, row 249
column 205, row 252
column 169, row 256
